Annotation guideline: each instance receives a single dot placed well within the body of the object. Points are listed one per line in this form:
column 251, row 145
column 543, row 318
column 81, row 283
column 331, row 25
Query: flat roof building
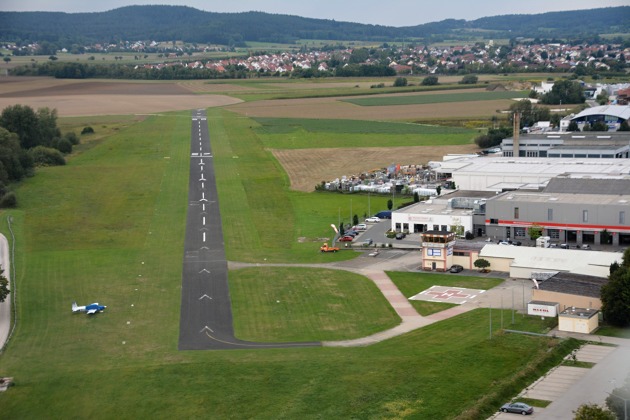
column 591, row 145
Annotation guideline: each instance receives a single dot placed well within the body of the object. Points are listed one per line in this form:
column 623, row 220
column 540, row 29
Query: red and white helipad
column 456, row 295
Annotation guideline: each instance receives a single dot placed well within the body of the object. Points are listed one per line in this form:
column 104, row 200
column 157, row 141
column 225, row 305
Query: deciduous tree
column 615, row 294
column 4, row 286
column 593, row 412
column 430, row 81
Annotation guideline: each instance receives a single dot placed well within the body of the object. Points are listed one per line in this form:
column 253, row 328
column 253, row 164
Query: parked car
column 586, row 246
column 503, row 243
column 351, row 233
column 346, row 238
column 367, row 242
column 456, row 268
column 517, row 407
column 373, row 219
column 400, row 235
column 386, row 214
column 564, row 246
column 360, row 226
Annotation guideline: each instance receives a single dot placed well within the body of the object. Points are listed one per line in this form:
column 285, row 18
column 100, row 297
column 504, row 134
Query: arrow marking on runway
column 202, row 178
column 205, row 247
column 204, row 270
column 205, row 296
column 206, row 328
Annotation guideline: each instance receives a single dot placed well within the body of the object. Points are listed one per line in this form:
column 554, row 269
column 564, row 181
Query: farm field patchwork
column 336, row 108
column 436, row 97
column 86, row 98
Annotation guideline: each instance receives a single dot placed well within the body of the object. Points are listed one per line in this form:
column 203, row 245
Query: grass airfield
column 109, row 227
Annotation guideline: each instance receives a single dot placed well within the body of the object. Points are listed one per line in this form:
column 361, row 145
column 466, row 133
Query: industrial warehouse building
column 500, row 174
column 571, row 210
column 591, row 145
column 611, row 115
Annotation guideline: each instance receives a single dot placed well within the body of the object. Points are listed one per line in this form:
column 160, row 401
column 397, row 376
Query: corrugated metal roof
column 589, row 263
column 619, row 111
column 588, row 186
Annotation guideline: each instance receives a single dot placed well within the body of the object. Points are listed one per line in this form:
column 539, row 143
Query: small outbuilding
column 579, row 320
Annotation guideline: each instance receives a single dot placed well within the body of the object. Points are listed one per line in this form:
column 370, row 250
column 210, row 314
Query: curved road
column 206, row 311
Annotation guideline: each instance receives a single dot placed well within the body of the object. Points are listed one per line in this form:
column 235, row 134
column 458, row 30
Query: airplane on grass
column 89, row 309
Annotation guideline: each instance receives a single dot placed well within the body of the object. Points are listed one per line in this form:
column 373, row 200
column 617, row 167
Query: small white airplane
column 89, row 309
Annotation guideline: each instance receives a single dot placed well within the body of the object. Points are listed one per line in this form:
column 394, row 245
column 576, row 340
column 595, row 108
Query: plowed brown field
column 80, row 97
column 309, row 167
column 335, row 108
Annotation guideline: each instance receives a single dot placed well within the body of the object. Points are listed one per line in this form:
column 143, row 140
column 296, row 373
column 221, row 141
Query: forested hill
column 169, row 23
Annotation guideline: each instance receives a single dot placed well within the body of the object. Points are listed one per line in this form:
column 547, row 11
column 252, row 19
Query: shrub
column 63, row 145
column 87, row 130
column 430, row 81
column 400, row 82
column 469, row 79
column 46, row 156
column 72, row 138
column 9, row 200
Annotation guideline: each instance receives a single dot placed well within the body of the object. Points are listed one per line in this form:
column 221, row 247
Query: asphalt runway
column 206, row 311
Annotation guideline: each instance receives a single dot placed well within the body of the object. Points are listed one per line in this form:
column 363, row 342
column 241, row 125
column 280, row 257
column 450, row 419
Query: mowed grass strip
column 436, row 98
column 276, row 304
column 410, row 284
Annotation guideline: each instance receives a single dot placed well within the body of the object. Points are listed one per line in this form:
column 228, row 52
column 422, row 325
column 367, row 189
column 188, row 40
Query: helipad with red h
column 448, row 294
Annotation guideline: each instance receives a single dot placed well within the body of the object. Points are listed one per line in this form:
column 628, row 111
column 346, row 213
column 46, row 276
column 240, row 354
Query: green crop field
column 109, row 227
column 437, row 98
column 288, row 133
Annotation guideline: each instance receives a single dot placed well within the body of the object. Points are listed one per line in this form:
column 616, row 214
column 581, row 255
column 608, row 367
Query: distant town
column 338, row 60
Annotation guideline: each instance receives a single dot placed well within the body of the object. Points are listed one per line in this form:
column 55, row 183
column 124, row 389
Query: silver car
column 517, row 407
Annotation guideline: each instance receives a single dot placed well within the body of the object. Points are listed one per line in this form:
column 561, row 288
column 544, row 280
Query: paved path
column 5, row 307
column 411, row 320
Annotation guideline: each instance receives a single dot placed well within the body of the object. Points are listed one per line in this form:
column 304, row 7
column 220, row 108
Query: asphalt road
column 5, row 307
column 206, row 312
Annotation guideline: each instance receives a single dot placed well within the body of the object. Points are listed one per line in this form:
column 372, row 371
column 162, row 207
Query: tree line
column 28, row 139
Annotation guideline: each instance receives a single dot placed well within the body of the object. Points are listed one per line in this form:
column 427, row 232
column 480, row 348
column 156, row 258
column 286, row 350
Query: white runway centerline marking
column 204, row 236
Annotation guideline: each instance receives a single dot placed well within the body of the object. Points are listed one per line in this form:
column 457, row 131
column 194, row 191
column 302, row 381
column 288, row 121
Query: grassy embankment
column 84, row 232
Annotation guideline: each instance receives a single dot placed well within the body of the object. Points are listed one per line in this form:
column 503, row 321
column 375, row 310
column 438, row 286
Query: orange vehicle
column 326, row 248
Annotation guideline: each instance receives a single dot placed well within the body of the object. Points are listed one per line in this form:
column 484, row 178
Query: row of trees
column 29, row 138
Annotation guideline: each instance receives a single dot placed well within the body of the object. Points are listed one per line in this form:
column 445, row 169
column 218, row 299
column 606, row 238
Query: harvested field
column 335, row 108
column 81, row 98
column 309, row 167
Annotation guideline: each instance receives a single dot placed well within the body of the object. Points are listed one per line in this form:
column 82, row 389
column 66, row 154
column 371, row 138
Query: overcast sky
column 381, row 12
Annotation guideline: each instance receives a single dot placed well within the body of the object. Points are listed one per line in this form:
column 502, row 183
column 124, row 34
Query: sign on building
column 540, row 308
